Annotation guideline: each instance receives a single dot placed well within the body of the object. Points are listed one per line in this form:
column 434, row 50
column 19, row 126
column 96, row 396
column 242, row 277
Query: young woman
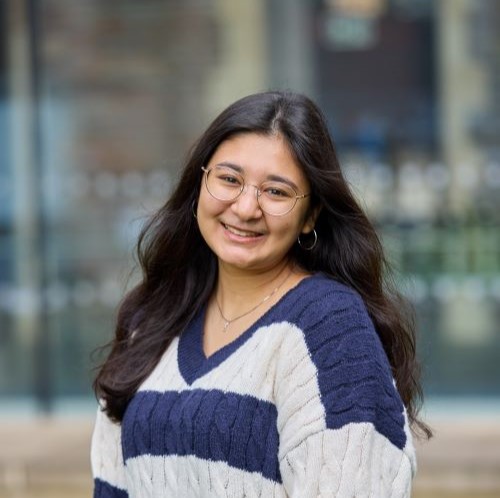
column 262, row 354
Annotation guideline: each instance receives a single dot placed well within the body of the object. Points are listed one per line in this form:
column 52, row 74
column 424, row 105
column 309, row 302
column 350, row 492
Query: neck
column 237, row 288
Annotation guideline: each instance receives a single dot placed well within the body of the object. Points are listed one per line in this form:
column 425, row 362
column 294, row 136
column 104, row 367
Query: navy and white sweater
column 302, row 404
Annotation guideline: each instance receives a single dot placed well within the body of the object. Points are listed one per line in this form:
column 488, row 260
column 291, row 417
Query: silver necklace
column 228, row 321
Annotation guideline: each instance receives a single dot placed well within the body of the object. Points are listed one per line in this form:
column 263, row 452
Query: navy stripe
column 354, row 375
column 103, row 489
column 213, row 425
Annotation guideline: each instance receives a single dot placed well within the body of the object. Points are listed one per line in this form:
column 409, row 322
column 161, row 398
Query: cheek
column 288, row 229
column 305, row 217
column 207, row 205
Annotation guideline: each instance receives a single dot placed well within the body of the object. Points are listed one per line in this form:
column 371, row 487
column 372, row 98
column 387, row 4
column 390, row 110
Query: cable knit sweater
column 301, row 405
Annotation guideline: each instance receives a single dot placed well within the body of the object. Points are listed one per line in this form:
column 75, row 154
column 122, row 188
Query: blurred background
column 100, row 101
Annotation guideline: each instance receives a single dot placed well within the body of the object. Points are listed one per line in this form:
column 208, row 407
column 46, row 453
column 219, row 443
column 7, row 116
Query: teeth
column 241, row 233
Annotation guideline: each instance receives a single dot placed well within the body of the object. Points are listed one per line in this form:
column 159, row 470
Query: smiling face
column 238, row 232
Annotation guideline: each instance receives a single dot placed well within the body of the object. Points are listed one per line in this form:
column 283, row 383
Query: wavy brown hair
column 179, row 271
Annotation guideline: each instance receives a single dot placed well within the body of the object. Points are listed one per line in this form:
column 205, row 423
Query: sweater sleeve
column 343, row 428
column 108, row 468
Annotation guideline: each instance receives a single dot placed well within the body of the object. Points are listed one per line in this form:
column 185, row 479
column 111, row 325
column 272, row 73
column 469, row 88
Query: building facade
column 100, row 101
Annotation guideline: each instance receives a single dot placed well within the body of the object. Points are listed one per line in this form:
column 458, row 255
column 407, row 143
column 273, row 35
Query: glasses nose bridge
column 246, row 185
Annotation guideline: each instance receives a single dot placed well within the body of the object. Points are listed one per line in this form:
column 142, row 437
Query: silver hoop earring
column 193, row 209
column 312, row 246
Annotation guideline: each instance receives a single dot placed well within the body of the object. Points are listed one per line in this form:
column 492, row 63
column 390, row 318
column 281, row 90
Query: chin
column 249, row 264
column 241, row 264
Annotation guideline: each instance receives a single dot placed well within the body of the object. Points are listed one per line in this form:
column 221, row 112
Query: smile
column 241, row 233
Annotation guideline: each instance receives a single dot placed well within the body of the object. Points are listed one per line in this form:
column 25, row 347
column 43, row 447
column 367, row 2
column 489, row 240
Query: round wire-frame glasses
column 275, row 198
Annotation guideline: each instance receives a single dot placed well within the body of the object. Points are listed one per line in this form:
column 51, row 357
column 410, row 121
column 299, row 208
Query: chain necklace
column 228, row 322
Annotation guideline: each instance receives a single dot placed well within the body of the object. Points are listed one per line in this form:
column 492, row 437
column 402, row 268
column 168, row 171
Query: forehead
column 259, row 155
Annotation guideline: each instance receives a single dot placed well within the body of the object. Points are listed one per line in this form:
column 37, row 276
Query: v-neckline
column 192, row 361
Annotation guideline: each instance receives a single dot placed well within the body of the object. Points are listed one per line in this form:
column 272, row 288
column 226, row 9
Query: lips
column 241, row 233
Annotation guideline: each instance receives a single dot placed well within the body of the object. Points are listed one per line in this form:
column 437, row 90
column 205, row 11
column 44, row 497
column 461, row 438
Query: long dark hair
column 179, row 271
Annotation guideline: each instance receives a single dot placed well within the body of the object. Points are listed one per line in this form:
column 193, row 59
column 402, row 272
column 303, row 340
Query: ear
column 310, row 221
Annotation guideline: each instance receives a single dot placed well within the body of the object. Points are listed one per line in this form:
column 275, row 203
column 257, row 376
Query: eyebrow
column 272, row 178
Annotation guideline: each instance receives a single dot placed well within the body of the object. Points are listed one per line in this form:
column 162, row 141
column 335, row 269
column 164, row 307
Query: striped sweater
column 302, row 404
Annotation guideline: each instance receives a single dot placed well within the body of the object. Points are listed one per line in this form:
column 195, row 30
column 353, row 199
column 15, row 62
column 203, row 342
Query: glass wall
column 100, row 101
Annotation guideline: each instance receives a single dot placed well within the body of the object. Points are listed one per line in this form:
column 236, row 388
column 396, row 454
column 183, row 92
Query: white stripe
column 192, row 477
column 106, row 452
column 352, row 461
column 166, row 375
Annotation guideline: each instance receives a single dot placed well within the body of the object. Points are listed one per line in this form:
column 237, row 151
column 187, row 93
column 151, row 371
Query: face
column 238, row 232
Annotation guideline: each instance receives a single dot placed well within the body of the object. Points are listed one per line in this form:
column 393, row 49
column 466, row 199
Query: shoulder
column 321, row 303
column 323, row 290
column 351, row 369
column 338, row 329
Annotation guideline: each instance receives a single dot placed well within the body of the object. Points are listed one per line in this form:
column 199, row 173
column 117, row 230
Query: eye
column 226, row 177
column 277, row 191
column 229, row 179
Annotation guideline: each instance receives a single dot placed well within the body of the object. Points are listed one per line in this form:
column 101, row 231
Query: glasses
column 274, row 197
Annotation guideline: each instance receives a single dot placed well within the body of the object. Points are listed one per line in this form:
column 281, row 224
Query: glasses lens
column 224, row 183
column 277, row 198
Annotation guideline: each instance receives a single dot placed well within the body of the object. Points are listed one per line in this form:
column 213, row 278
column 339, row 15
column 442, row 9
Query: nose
column 246, row 206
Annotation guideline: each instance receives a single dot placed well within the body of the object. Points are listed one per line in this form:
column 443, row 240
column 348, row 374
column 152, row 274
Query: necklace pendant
column 228, row 322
